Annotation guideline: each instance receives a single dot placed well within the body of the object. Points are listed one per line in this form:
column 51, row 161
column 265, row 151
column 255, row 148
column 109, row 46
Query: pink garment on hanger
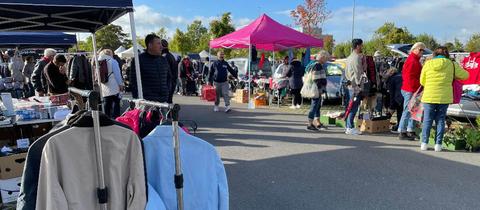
column 131, row 119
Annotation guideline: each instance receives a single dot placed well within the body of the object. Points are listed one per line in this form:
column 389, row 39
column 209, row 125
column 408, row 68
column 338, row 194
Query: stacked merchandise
column 241, row 96
column 38, row 108
column 261, row 99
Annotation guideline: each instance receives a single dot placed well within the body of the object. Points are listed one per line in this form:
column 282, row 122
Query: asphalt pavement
column 272, row 162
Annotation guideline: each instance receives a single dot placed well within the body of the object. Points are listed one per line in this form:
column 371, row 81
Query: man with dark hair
column 154, row 70
column 219, row 78
column 56, row 76
column 356, row 68
column 173, row 76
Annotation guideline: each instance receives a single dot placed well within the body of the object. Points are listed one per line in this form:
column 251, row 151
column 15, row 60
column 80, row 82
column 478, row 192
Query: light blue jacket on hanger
column 205, row 182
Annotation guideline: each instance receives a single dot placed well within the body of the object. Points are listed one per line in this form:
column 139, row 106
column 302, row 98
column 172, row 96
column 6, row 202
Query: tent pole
column 135, row 55
column 250, row 103
column 97, row 66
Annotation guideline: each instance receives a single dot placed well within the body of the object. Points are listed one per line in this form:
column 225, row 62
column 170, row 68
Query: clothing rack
column 93, row 98
column 178, row 177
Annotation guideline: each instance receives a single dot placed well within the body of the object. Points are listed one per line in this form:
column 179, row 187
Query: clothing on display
column 471, row 64
column 69, row 183
column 80, row 72
column 205, row 181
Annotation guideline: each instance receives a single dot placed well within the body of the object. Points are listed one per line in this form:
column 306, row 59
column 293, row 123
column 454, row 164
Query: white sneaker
column 228, row 109
column 438, row 147
column 353, row 131
column 423, row 147
column 299, row 107
column 292, row 107
column 215, row 109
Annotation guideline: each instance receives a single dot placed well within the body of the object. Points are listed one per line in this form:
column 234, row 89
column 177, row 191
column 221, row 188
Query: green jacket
column 437, row 78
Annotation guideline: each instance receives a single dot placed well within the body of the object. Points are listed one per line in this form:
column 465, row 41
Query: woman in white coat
column 111, row 90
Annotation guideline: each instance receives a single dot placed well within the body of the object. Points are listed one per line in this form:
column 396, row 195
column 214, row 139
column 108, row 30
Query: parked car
column 242, row 64
column 334, row 72
column 404, row 50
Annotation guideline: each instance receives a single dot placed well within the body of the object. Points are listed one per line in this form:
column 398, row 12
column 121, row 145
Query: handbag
column 310, row 88
column 457, row 88
column 415, row 106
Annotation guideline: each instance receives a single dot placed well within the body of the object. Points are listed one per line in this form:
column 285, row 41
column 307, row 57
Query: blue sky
column 445, row 19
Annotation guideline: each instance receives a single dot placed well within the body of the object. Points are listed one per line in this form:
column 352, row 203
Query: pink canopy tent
column 266, row 34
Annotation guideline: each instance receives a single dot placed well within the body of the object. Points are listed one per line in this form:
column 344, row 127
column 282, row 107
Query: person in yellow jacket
column 436, row 78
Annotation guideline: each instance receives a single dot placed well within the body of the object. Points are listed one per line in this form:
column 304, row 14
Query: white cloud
column 445, row 19
column 284, row 12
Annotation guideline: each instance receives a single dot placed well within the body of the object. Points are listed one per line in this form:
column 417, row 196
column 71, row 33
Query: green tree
column 162, row 33
column 328, row 43
column 223, row 26
column 141, row 42
column 198, row 36
column 450, row 46
column 342, row 50
column 390, row 34
column 180, row 43
column 458, row 45
column 473, row 44
column 428, row 40
column 110, row 37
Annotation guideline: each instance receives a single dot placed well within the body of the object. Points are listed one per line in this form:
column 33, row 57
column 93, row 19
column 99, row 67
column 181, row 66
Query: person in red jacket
column 411, row 82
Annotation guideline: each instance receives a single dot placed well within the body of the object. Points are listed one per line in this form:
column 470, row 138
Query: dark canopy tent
column 24, row 40
column 60, row 15
column 67, row 16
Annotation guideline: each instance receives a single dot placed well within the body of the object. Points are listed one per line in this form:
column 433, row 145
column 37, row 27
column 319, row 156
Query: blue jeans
column 353, row 111
column 407, row 124
column 431, row 112
column 315, row 108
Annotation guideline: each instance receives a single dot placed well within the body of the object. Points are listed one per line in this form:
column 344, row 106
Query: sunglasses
column 421, row 50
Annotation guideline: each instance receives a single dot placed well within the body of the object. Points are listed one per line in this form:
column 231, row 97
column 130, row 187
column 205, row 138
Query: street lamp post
column 353, row 19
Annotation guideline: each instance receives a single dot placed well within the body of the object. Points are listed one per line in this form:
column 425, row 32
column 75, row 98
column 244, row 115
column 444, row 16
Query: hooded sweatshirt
column 437, row 77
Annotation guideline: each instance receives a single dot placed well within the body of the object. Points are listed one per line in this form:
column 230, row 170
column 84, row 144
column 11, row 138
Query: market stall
column 51, row 16
column 265, row 34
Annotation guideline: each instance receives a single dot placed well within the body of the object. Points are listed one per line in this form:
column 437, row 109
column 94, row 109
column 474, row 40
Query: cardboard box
column 241, row 96
column 12, row 166
column 369, row 126
column 9, row 189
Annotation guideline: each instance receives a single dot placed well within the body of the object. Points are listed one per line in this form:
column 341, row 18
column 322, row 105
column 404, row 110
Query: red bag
column 208, row 93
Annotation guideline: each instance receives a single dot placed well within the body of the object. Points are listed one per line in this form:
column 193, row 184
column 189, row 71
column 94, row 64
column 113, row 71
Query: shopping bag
column 208, row 93
column 457, row 88
column 310, row 88
column 415, row 106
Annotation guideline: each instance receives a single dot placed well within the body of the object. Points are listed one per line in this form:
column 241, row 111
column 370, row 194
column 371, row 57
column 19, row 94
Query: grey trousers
column 222, row 90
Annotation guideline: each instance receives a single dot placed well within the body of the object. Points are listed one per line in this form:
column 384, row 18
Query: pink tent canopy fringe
column 266, row 34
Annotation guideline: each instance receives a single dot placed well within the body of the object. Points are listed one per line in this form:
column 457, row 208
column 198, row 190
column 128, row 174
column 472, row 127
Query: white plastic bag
column 310, row 88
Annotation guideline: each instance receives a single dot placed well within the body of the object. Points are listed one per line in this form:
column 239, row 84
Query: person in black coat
column 394, row 86
column 295, row 74
column 186, row 73
column 38, row 77
column 56, row 76
column 154, row 70
column 173, row 76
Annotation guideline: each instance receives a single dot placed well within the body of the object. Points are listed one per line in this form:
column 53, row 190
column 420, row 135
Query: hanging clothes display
column 205, row 181
column 60, row 170
column 470, row 63
column 80, row 72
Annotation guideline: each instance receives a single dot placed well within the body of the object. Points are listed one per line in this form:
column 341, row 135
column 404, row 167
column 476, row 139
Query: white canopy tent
column 129, row 53
column 120, row 49
column 204, row 54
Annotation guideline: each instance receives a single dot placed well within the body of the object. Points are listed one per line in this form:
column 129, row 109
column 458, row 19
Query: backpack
column 104, row 75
